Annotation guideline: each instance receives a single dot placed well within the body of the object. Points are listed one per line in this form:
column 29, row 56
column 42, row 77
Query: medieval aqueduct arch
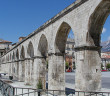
column 26, row 61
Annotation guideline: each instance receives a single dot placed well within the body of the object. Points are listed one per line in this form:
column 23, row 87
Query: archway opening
column 43, row 59
column 96, row 23
column 64, row 60
column 10, row 65
column 17, row 64
column 30, row 50
column 30, row 65
column 105, row 55
column 22, row 56
column 13, row 65
column 22, row 53
column 17, row 55
column 99, row 36
column 105, row 43
column 70, row 62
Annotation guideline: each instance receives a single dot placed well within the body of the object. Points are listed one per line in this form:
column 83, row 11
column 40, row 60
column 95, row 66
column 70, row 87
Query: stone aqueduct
column 26, row 61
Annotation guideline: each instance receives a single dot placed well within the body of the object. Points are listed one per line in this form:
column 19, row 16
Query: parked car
column 104, row 70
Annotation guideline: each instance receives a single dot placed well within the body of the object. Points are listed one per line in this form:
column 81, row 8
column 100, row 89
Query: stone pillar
column 35, row 77
column 40, row 71
column 10, row 68
column 14, row 69
column 27, row 72
column 0, row 63
column 88, row 69
column 21, row 69
column 17, row 70
column 56, row 72
column 31, row 72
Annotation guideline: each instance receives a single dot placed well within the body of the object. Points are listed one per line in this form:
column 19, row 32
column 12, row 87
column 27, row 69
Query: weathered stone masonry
column 86, row 19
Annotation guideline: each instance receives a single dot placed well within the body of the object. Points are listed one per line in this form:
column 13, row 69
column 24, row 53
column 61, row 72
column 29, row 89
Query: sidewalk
column 1, row 94
column 22, row 85
column 68, row 85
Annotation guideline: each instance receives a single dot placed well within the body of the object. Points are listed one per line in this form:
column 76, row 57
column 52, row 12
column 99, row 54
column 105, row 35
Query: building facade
column 105, row 57
column 4, row 46
column 70, row 54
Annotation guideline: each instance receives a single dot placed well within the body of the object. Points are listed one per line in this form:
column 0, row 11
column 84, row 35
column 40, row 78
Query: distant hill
column 105, row 46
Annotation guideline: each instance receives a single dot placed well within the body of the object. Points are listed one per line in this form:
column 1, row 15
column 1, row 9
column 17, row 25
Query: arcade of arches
column 27, row 60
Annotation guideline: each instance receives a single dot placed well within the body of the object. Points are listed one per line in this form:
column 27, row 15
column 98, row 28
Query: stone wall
column 79, row 17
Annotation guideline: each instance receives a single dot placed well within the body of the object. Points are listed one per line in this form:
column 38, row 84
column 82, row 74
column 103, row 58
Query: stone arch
column 6, row 59
column 91, row 52
column 43, row 46
column 22, row 53
column 10, row 64
column 13, row 56
column 96, row 22
column 17, row 64
column 10, row 56
column 61, row 37
column 30, row 50
column 3, row 60
column 29, row 65
column 42, row 54
column 17, row 54
column 13, row 65
column 22, row 66
column 57, row 59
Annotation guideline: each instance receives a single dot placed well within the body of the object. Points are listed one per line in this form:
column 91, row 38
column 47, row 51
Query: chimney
column 21, row 38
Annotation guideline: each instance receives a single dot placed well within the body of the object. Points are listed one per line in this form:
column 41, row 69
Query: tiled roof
column 4, row 41
column 106, row 56
column 107, row 52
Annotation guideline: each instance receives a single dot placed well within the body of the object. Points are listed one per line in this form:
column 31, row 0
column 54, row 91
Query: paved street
column 70, row 78
column 0, row 94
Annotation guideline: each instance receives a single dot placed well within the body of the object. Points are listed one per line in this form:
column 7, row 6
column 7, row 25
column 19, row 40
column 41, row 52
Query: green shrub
column 39, row 84
column 66, row 65
column 108, row 66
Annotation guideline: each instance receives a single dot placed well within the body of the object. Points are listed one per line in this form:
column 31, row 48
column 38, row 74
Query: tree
column 108, row 66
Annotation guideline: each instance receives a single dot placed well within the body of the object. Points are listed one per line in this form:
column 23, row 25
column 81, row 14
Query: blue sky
column 21, row 17
column 106, row 30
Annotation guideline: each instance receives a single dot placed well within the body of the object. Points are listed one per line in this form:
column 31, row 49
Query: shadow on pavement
column 67, row 90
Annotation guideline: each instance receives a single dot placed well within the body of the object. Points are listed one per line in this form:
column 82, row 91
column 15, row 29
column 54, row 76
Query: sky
column 21, row 17
column 106, row 30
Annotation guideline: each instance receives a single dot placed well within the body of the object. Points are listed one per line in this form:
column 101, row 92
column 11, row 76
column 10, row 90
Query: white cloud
column 109, row 38
column 71, row 36
column 104, row 30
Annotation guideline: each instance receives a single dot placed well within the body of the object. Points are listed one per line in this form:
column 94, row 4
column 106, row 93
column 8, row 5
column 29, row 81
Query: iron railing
column 8, row 90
